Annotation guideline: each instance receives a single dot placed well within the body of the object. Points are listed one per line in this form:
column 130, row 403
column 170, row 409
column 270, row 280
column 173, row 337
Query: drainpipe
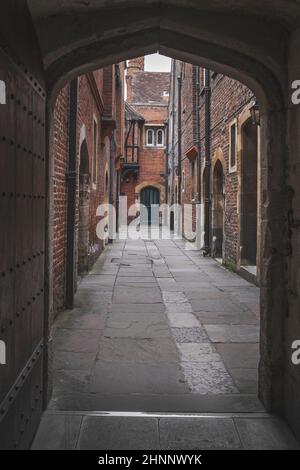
column 71, row 205
column 179, row 131
column 167, row 163
column 117, row 201
column 111, row 221
column 133, row 142
column 207, row 92
column 199, row 160
column 173, row 150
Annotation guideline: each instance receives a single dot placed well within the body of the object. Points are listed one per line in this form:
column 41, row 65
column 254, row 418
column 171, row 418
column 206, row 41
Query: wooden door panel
column 22, row 250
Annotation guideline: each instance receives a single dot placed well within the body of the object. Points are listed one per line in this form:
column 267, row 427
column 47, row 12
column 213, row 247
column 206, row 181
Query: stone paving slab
column 205, row 434
column 205, row 292
column 180, row 307
column 133, row 317
column 208, row 378
column 85, row 321
column 137, row 350
column 66, row 360
column 83, row 341
column 137, row 329
column 246, row 380
column 136, row 295
column 182, row 320
column 216, row 305
column 184, row 401
column 190, row 335
column 233, row 333
column 97, row 431
column 70, row 379
column 158, row 308
column 239, row 355
column 198, row 353
column 167, row 284
column 265, row 434
column 118, row 433
column 58, row 432
column 135, row 280
column 133, row 378
column 226, row 318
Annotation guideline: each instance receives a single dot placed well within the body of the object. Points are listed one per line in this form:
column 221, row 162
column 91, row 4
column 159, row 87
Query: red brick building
column 143, row 166
column 214, row 150
column 88, row 117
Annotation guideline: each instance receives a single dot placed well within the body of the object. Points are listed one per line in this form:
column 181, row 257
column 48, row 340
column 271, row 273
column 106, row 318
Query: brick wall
column 96, row 91
column 146, row 94
column 60, row 150
column 229, row 99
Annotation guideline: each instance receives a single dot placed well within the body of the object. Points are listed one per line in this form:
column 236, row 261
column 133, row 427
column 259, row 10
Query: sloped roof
column 131, row 114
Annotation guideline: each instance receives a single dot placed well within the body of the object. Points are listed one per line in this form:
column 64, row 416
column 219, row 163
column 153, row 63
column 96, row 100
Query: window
column 160, row 138
column 232, row 146
column 150, row 137
column 155, row 137
column 95, row 130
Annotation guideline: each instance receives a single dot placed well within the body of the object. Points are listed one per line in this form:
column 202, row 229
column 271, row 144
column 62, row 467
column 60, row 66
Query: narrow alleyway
column 158, row 328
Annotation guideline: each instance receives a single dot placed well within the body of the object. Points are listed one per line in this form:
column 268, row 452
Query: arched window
column 2, row 92
column 160, row 138
column 150, row 138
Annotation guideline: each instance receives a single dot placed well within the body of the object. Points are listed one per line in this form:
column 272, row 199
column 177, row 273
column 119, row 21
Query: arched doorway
column 249, row 194
column 150, row 201
column 218, row 210
column 84, row 209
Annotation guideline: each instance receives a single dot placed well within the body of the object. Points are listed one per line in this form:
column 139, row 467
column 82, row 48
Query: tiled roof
column 150, row 87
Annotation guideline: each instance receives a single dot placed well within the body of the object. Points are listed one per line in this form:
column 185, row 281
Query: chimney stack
column 134, row 66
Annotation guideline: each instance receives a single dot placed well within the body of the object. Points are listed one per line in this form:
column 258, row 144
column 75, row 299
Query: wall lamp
column 255, row 113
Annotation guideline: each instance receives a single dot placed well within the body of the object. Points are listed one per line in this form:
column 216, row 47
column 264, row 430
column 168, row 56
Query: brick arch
column 94, row 36
column 217, row 208
column 218, row 155
column 154, row 184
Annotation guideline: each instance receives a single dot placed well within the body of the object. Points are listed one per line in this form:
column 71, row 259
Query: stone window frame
column 148, row 130
column 95, row 152
column 233, row 168
column 161, row 129
column 155, row 128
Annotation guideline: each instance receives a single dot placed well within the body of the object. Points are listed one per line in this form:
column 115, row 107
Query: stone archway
column 249, row 190
column 149, row 205
column 217, row 210
column 84, row 209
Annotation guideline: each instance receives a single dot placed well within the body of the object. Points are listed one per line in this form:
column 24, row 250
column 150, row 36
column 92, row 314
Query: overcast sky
column 157, row 63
